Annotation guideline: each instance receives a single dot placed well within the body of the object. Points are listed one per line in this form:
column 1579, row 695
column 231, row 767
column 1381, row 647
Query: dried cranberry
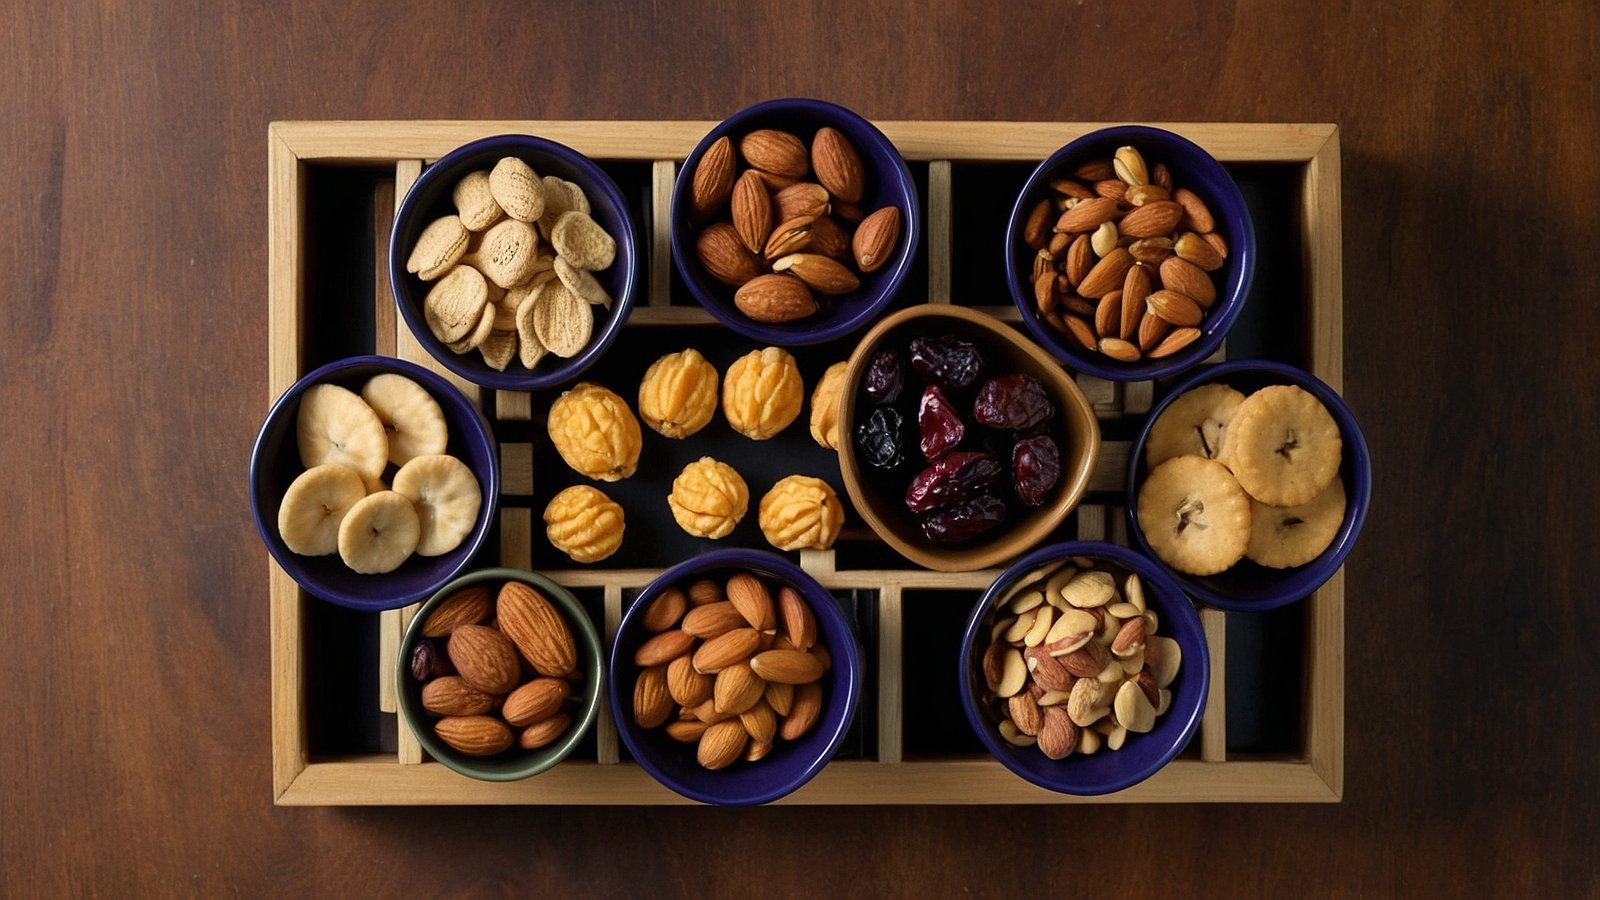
column 1035, row 469
column 880, row 440
column 965, row 520
column 939, row 426
column 1013, row 402
column 422, row 660
column 956, row 477
column 885, row 377
column 947, row 361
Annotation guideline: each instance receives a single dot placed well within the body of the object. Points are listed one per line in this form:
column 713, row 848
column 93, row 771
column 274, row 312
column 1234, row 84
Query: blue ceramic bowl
column 516, row 763
column 275, row 463
column 1248, row 587
column 1192, row 168
column 1143, row 754
column 429, row 198
column 790, row 764
column 888, row 182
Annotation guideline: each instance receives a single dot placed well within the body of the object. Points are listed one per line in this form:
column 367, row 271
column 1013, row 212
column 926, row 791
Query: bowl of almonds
column 500, row 674
column 1130, row 253
column 514, row 262
column 734, row 678
column 1084, row 668
column 794, row 222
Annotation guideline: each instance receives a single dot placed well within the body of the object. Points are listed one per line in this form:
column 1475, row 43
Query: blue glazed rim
column 548, row 158
column 1248, row 587
column 878, row 153
column 1191, row 167
column 790, row 764
column 1143, row 754
column 417, row 577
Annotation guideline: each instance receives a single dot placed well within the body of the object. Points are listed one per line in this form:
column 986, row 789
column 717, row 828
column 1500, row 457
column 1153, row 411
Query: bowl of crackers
column 514, row 261
column 1250, row 483
column 1084, row 668
column 734, row 677
column 794, row 222
column 373, row 482
column 1130, row 252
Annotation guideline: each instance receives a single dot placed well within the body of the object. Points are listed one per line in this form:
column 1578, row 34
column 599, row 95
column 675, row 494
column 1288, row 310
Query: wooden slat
column 516, row 537
column 662, row 173
column 408, row 750
column 939, row 217
column 513, row 406
column 1110, row 472
column 1091, row 522
column 608, row 749
column 516, row 468
column 891, row 676
column 1214, row 726
column 383, row 309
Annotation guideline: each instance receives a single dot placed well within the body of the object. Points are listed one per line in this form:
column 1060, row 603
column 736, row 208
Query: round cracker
column 1195, row 515
column 1283, row 446
column 379, row 533
column 1284, row 537
column 334, row 425
column 582, row 242
column 1193, row 424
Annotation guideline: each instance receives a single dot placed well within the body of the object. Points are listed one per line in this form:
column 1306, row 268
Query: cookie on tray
column 1283, row 446
column 1195, row 424
column 1285, row 537
column 1195, row 515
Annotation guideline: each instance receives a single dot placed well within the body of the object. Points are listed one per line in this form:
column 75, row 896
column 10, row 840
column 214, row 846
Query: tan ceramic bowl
column 1005, row 349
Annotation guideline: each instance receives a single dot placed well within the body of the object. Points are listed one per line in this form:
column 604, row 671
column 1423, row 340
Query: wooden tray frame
column 1316, row 775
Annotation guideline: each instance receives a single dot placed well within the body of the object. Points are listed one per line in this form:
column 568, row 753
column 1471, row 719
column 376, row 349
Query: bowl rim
column 822, row 604
column 1216, row 327
column 479, row 373
column 796, row 334
column 436, row 386
column 1001, row 547
column 1357, row 503
column 1197, row 664
column 591, row 649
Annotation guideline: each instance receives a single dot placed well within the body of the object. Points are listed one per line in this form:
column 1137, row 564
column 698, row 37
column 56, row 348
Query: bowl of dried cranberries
column 965, row 444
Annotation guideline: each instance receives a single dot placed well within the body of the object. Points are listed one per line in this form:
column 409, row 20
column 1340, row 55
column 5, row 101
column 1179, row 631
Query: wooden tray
column 334, row 736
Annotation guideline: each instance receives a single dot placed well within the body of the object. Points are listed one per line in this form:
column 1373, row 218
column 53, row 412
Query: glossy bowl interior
column 881, row 501
column 1248, row 587
column 429, row 199
column 790, row 764
column 1192, row 168
column 1143, row 754
column 888, row 182
column 275, row 463
column 516, row 763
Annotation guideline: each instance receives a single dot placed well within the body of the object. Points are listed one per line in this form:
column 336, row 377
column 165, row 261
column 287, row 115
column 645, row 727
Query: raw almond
column 686, row 686
column 1087, row 661
column 1129, row 639
column 452, row 696
column 725, row 650
column 1094, row 170
column 1082, row 332
column 775, row 299
column 1112, row 189
column 791, row 236
column 1087, row 215
column 736, row 689
column 1152, row 328
column 1175, row 307
column 803, row 713
column 1186, row 278
column 537, row 629
column 1107, row 274
column 713, row 619
column 536, row 700
column 804, row 198
column 787, row 666
column 780, row 697
column 544, row 731
column 1151, row 220
column 821, row 274
column 705, row 591
column 837, row 164
column 1196, row 216
column 1198, row 250
column 1058, row 735
column 721, row 744
column 799, row 625
column 663, row 648
column 484, row 658
column 876, row 238
column 1048, row 672
column 1079, row 260
column 1162, row 175
column 651, row 702
column 828, row 239
column 722, row 252
column 713, row 179
column 752, row 211
column 1108, row 314
column 1135, row 288
column 1025, row 712
column 686, row 731
column 1176, row 340
column 664, row 611
column 468, row 606
column 474, row 735
column 707, row 712
column 760, row 722
column 1044, row 290
column 778, row 152
column 1036, row 229
column 1068, row 187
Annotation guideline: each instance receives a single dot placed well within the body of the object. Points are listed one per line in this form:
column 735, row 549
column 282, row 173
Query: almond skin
column 484, row 658
column 538, row 630
column 787, row 666
column 713, row 179
column 1175, row 340
column 1175, row 307
column 876, row 238
column 664, row 611
column 1107, row 274
column 713, row 619
column 474, row 735
column 1196, row 216
column 538, row 699
column 544, row 731
column 724, row 650
column 828, row 239
column 837, row 164
column 806, row 198
column 721, row 251
column 753, row 601
column 1135, row 288
column 468, row 606
column 721, row 744
column 1153, row 219
column 775, row 299
column 778, row 152
column 450, row 696
column 799, row 625
column 737, row 688
column 652, row 704
column 686, row 686
column 1087, row 215
column 752, row 211
column 663, row 648
column 1188, row 279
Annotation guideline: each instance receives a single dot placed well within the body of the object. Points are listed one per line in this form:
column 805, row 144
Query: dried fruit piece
column 446, row 498
column 801, row 513
column 678, row 394
column 939, row 426
column 946, row 360
column 315, row 504
column 880, row 439
column 584, row 523
column 885, row 377
column 595, row 433
column 964, row 521
column 762, row 393
column 952, row 479
column 378, row 533
column 1015, row 402
column 708, row 498
column 1035, row 469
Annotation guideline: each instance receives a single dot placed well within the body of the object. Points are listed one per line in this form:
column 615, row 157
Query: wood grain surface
column 134, row 755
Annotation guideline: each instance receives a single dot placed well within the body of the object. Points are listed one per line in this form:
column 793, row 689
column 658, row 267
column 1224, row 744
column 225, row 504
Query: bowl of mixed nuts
column 962, row 443
column 1130, row 252
column 1084, row 669
column 514, row 262
column 794, row 221
column 734, row 677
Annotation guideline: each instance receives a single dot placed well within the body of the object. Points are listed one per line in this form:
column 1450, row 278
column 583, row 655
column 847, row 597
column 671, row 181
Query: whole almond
column 778, row 152
column 803, row 713
column 451, row 696
column 1175, row 340
column 837, row 164
column 686, row 731
column 1112, row 189
column 664, row 611
column 736, row 689
column 1025, row 712
column 1135, row 288
column 1162, row 175
column 805, row 198
column 538, row 630
column 1175, row 307
column 1129, row 639
column 821, row 274
column 1087, row 215
column 1107, row 274
column 791, row 236
column 1048, row 671
column 707, row 712
column 1058, row 736
column 1188, row 279
column 829, row 239
column 725, row 650
column 773, row 182
column 474, row 735
column 705, row 591
column 1036, row 228
column 1082, row 332
column 468, row 606
column 1044, row 291
column 775, row 299
column 1152, row 328
column 1151, row 220
column 538, row 699
column 544, row 732
column 484, row 658
column 787, row 666
column 686, row 686
column 1198, row 250
column 721, row 744
column 713, row 619
column 1070, row 187
column 876, row 238
column 1216, row 242
column 663, row 648
column 994, row 664
column 722, row 252
column 1196, row 216
column 752, row 211
column 779, row 696
column 1079, row 260
column 799, row 625
column 760, row 722
column 1108, row 314
column 652, row 705
column 713, row 179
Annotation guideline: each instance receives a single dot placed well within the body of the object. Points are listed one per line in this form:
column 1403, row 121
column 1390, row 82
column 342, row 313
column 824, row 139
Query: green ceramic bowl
column 515, row 763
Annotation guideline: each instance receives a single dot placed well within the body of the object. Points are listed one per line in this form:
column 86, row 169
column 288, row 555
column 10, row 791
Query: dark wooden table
column 134, row 754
